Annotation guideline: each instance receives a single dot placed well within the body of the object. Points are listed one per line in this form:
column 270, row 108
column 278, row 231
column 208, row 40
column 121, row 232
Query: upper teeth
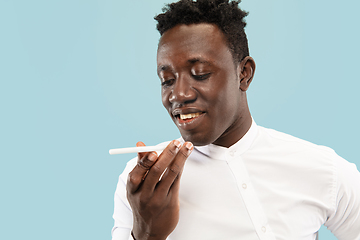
column 190, row 115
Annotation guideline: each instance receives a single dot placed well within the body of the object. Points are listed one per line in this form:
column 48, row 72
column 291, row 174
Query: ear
column 246, row 70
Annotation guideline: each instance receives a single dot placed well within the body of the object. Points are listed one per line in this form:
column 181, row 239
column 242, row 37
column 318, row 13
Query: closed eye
column 202, row 76
column 168, row 82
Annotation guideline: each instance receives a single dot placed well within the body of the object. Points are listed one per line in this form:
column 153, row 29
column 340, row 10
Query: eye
column 168, row 82
column 201, row 76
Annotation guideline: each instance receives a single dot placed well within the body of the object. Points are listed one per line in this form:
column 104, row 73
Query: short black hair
column 224, row 13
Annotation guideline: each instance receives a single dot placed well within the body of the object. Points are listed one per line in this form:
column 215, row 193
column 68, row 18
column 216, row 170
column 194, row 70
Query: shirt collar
column 240, row 147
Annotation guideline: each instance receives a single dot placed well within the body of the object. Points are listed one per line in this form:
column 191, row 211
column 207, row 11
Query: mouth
column 186, row 119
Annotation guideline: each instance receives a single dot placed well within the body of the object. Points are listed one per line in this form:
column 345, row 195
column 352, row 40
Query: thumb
column 141, row 154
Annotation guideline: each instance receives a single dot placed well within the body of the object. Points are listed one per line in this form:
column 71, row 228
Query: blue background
column 79, row 77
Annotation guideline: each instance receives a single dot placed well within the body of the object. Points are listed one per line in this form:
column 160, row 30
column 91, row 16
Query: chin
column 197, row 140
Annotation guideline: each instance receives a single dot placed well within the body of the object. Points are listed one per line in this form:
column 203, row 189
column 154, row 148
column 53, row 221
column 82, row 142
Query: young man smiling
column 240, row 181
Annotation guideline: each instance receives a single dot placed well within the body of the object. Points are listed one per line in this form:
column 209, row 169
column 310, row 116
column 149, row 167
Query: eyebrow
column 195, row 60
column 163, row 68
column 192, row 61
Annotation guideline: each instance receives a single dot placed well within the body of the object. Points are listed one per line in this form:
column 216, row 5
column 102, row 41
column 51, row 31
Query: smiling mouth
column 187, row 118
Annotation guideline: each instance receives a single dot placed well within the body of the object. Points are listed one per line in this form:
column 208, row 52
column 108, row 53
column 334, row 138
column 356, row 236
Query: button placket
column 232, row 153
column 251, row 201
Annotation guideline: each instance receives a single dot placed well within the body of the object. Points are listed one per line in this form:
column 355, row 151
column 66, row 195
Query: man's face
column 200, row 83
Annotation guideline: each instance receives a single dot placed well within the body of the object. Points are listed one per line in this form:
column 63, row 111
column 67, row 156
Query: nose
column 182, row 91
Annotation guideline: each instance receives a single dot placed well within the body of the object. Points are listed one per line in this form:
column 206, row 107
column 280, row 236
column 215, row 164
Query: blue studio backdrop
column 78, row 77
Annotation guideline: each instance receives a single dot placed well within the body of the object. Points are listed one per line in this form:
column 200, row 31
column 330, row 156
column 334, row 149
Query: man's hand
column 153, row 190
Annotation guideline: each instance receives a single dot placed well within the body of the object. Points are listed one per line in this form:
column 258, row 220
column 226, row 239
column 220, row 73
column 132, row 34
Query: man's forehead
column 197, row 41
column 188, row 35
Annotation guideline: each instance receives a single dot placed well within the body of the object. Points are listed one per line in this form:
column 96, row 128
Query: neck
column 237, row 130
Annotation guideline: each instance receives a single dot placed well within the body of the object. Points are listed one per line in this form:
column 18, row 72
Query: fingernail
column 189, row 146
column 177, row 143
column 152, row 157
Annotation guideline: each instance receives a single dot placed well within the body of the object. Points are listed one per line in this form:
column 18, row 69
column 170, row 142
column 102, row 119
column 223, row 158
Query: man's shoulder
column 291, row 143
column 295, row 156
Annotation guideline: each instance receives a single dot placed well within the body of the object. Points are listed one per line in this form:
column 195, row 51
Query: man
column 240, row 181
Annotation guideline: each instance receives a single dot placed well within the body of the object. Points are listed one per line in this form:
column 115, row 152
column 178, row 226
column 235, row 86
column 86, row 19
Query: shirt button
column 244, row 186
column 263, row 229
column 232, row 153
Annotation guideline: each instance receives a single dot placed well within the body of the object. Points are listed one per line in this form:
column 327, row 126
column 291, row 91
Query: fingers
column 145, row 159
column 141, row 154
column 145, row 162
column 163, row 161
column 171, row 177
column 172, row 159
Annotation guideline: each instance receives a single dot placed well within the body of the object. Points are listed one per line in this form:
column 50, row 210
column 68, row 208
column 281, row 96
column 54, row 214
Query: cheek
column 165, row 98
column 225, row 101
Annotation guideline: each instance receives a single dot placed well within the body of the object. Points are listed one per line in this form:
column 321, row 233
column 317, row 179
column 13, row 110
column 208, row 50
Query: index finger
column 164, row 161
column 141, row 154
column 174, row 170
column 144, row 163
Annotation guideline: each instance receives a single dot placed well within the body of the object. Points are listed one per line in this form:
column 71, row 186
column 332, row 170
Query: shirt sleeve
column 344, row 221
column 123, row 218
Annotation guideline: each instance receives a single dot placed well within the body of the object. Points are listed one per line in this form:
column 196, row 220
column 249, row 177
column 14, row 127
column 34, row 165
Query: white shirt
column 267, row 186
